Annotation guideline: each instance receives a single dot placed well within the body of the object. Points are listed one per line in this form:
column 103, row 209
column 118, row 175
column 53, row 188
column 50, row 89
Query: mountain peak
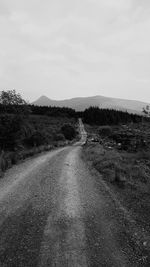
column 43, row 97
column 42, row 101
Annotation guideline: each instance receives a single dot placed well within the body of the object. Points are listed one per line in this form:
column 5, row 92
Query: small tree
column 10, row 97
column 11, row 124
column 10, row 100
column 146, row 112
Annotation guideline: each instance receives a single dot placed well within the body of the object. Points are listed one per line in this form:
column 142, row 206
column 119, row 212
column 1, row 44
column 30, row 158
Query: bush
column 10, row 131
column 105, row 131
column 36, row 139
column 3, row 163
column 58, row 137
column 68, row 131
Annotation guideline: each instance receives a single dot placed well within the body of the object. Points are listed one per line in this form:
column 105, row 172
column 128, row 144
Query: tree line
column 97, row 116
column 38, row 110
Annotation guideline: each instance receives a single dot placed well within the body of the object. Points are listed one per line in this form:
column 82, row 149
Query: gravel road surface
column 53, row 213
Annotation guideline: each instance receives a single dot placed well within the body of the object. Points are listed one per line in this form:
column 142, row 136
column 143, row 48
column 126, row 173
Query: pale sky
column 70, row 48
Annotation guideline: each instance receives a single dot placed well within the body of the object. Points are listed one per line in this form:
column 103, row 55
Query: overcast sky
column 69, row 48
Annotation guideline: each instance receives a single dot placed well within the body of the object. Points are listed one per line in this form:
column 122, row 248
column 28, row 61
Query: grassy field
column 124, row 166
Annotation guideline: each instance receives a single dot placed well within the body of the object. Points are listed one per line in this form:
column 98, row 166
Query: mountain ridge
column 81, row 103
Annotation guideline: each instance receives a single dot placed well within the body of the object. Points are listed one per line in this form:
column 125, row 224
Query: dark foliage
column 97, row 116
column 53, row 111
column 36, row 110
column 68, row 131
column 10, row 97
column 58, row 137
column 26, row 130
column 26, row 126
column 105, row 131
column 11, row 102
column 10, row 131
column 18, row 133
column 37, row 138
column 23, row 125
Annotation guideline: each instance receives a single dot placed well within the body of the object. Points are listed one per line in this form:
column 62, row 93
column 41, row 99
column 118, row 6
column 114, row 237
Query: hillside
column 81, row 103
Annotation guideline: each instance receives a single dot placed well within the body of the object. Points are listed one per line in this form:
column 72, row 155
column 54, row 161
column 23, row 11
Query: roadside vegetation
column 120, row 153
column 26, row 130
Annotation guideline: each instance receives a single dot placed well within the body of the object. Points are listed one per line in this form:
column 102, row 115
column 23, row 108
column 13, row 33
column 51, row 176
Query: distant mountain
column 81, row 103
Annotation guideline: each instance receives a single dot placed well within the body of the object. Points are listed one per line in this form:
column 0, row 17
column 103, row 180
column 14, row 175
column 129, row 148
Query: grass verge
column 127, row 175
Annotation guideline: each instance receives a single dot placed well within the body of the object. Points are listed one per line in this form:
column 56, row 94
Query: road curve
column 53, row 213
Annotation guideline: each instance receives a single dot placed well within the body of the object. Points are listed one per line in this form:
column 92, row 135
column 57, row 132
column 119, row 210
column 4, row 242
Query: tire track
column 64, row 235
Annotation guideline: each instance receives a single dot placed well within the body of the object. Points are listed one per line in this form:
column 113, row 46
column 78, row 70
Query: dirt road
column 53, row 213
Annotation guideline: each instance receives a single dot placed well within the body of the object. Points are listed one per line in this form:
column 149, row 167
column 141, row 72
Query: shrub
column 10, row 131
column 105, row 131
column 68, row 131
column 15, row 157
column 2, row 163
column 36, row 139
column 58, row 137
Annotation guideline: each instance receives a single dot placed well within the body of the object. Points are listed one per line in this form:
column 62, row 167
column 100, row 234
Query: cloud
column 75, row 45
